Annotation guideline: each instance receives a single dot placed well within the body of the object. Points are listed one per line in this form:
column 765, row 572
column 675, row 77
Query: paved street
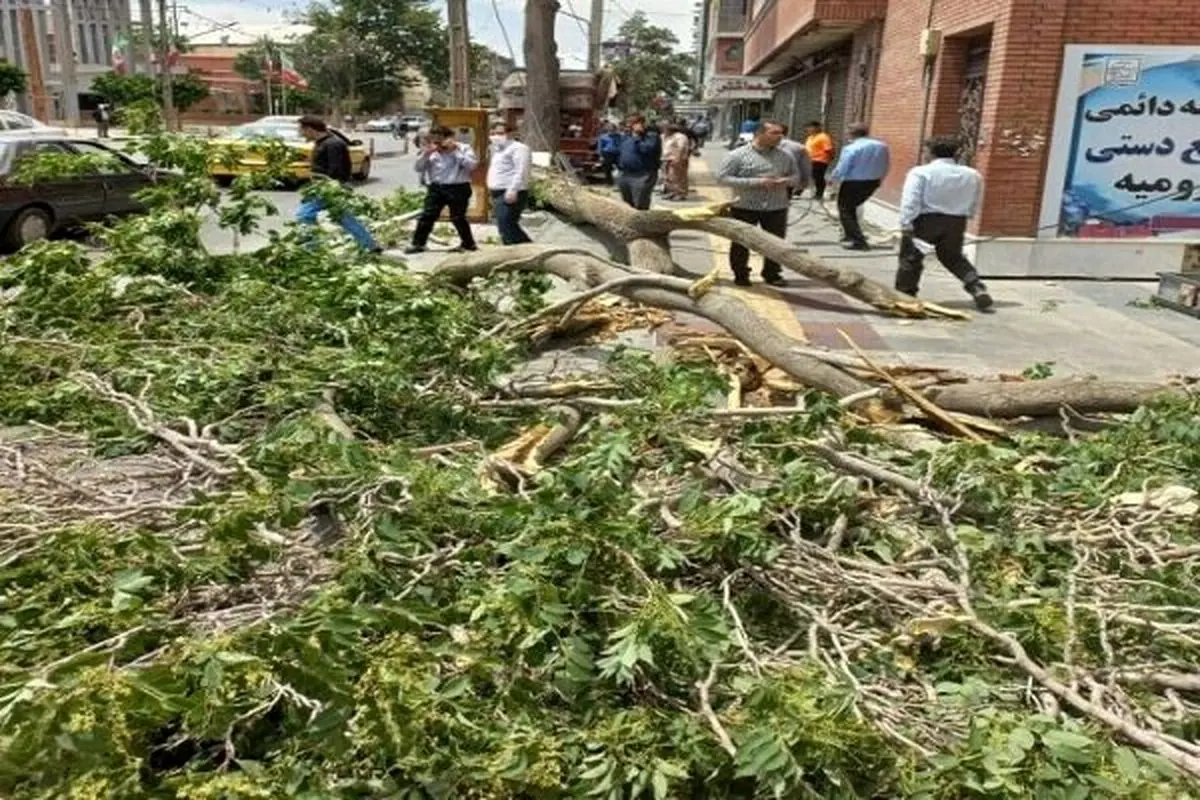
column 390, row 171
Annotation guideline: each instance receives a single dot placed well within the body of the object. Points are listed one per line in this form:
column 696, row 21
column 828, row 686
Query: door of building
column 970, row 104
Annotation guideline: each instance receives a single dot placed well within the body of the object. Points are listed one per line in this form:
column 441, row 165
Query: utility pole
column 460, row 54
column 595, row 29
column 66, row 62
column 164, row 65
column 147, row 20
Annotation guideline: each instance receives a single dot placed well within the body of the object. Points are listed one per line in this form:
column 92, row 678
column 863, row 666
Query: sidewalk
column 1077, row 327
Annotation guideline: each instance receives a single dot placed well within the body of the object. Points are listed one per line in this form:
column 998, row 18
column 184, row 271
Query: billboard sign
column 1125, row 155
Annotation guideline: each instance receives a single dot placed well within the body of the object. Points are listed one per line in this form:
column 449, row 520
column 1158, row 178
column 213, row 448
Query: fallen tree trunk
column 646, row 233
column 1000, row 400
column 1045, row 398
column 720, row 306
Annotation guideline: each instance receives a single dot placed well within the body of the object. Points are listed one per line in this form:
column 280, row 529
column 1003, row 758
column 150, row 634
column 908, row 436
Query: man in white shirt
column 444, row 166
column 508, row 183
column 939, row 197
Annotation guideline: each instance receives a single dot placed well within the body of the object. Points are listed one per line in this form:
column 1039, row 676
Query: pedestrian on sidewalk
column 939, row 197
column 677, row 151
column 819, row 145
column 803, row 165
column 862, row 167
column 330, row 160
column 760, row 174
column 608, row 146
column 445, row 166
column 638, row 161
column 508, row 182
column 103, row 117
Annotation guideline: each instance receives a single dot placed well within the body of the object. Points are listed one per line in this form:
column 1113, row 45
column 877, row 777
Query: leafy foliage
column 359, row 53
column 125, row 90
column 297, row 613
column 13, row 79
column 649, row 63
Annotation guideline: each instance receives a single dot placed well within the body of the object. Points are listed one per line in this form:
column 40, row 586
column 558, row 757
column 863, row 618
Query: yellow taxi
column 244, row 150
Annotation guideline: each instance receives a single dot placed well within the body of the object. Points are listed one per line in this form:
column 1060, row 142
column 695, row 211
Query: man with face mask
column 508, row 183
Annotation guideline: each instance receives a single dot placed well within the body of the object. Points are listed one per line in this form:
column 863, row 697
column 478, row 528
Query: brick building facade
column 993, row 82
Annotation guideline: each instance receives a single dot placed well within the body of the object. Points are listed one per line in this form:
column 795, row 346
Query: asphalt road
column 389, row 172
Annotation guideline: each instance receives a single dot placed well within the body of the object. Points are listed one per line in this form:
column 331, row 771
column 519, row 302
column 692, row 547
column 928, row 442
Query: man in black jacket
column 331, row 161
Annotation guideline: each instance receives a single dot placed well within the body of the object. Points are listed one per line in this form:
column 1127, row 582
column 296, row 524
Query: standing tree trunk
column 543, row 103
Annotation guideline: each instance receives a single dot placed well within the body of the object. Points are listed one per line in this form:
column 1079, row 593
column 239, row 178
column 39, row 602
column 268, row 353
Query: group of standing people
column 639, row 154
column 445, row 166
column 938, row 199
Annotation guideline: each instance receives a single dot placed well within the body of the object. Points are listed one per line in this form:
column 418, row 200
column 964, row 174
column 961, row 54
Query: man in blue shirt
column 608, row 145
column 939, row 197
column 639, row 160
column 860, row 169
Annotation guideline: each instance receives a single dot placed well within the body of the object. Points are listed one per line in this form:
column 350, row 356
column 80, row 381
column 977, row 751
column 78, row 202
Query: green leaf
column 1068, row 746
column 131, row 581
column 1126, row 762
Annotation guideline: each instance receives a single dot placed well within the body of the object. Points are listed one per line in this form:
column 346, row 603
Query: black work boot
column 774, row 279
column 983, row 300
column 741, row 280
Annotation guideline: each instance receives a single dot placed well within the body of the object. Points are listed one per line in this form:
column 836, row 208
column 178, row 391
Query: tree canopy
column 12, row 79
column 358, row 52
column 126, row 90
column 649, row 63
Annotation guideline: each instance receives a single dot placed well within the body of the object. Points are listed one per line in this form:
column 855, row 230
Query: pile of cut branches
column 282, row 524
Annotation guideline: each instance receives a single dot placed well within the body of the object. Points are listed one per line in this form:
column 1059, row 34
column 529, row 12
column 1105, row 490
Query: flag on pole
column 287, row 73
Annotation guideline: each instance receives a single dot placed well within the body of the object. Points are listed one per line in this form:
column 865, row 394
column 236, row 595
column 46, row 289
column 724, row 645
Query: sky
column 201, row 21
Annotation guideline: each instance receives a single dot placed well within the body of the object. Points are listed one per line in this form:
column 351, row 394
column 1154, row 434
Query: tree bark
column 1044, row 398
column 648, row 232
column 720, row 306
column 543, row 102
column 725, row 308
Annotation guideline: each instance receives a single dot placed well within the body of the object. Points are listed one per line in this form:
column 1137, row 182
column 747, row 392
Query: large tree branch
column 720, row 306
column 647, row 230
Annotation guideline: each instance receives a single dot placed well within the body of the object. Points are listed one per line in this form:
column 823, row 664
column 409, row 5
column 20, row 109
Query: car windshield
column 288, row 133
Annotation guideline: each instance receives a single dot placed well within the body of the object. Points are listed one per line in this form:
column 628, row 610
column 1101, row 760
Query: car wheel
column 365, row 172
column 28, row 226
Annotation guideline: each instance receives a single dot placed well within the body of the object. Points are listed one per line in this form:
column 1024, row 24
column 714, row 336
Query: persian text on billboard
column 1134, row 167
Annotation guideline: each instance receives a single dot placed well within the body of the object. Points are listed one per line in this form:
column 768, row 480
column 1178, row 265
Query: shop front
column 735, row 99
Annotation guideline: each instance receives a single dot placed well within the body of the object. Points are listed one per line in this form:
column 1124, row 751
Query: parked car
column 14, row 123
column 286, row 129
column 32, row 212
column 380, row 125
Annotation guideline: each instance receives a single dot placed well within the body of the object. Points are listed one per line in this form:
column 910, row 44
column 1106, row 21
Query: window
column 16, row 122
column 115, row 162
column 83, row 48
column 106, row 56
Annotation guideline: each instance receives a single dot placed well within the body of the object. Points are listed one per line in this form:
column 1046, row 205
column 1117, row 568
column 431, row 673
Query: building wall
column 1022, row 73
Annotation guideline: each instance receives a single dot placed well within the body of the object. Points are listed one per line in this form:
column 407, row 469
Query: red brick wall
column 1022, row 84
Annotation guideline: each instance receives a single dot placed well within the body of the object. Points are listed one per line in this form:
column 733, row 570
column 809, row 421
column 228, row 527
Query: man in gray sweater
column 760, row 174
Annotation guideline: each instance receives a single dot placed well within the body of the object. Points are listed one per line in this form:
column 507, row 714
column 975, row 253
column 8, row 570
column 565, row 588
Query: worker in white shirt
column 938, row 199
column 508, row 183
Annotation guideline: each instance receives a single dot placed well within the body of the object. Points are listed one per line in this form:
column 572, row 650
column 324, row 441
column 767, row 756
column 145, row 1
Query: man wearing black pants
column 939, row 197
column 761, row 174
column 860, row 169
column 639, row 160
column 445, row 167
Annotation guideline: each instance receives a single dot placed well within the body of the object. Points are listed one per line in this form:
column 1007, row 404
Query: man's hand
column 450, row 144
column 510, row 196
column 771, row 183
column 431, row 148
